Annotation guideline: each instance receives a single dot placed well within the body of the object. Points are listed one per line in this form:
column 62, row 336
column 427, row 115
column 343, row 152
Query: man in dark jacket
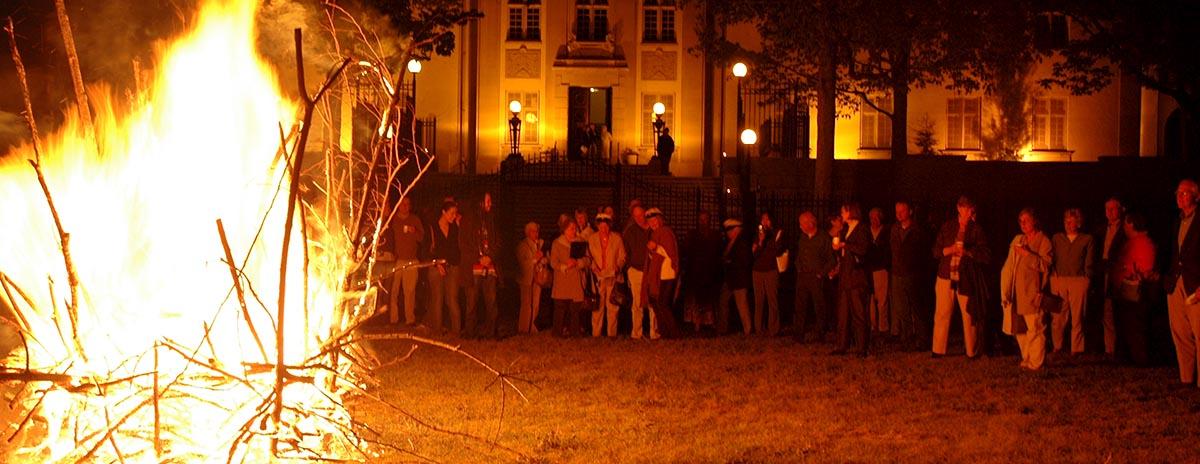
column 1183, row 282
column 480, row 248
column 737, row 259
column 853, row 286
column 910, row 262
column 814, row 262
column 1111, row 237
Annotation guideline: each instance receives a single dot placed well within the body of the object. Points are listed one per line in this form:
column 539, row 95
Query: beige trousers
column 531, row 299
column 1033, row 341
column 1073, row 291
column 605, row 308
column 1185, row 331
column 880, row 309
column 944, row 313
column 635, row 287
column 405, row 278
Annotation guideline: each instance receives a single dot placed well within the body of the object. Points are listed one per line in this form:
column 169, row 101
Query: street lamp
column 514, row 128
column 748, row 138
column 659, row 108
column 414, row 67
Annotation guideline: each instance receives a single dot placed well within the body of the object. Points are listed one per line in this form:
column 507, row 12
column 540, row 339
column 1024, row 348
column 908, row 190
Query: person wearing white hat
column 608, row 257
column 635, row 236
column 661, row 272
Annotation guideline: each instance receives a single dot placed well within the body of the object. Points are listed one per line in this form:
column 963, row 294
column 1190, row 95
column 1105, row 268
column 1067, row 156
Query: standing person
column 1113, row 234
column 702, row 270
column 567, row 289
column 1132, row 279
column 407, row 234
column 529, row 257
column 837, row 227
column 581, row 220
column 481, row 243
column 635, row 236
column 444, row 278
column 768, row 246
column 853, row 285
column 1069, row 279
column 961, row 250
column 814, row 263
column 1183, row 282
column 878, row 261
column 737, row 259
column 665, row 147
column 608, row 258
column 1024, row 276
column 662, row 266
column 908, row 244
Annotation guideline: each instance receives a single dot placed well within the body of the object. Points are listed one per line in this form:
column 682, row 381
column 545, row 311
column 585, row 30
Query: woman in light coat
column 1025, row 274
column 529, row 257
column 567, row 289
column 608, row 258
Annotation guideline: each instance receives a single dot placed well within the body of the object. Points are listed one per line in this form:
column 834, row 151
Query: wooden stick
column 237, row 286
column 157, row 419
column 85, row 112
column 64, row 237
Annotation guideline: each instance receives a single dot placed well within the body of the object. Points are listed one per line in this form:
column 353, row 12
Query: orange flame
column 201, row 144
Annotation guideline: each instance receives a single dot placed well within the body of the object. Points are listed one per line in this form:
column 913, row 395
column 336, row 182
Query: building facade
column 587, row 74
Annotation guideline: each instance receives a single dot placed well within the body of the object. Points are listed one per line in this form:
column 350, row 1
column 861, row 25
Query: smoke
column 12, row 131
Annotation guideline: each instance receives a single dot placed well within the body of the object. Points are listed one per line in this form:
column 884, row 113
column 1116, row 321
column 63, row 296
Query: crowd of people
column 856, row 282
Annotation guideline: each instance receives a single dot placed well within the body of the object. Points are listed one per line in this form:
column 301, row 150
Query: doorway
column 589, row 115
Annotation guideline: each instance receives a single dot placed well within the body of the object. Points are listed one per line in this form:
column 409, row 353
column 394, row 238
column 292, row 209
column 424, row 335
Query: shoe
column 936, row 355
column 973, row 357
column 838, row 352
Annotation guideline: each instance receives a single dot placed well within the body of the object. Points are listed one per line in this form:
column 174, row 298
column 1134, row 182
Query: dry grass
column 735, row 400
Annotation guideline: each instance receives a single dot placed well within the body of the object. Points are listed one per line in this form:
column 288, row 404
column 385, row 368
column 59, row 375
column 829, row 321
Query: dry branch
column 237, row 286
column 85, row 112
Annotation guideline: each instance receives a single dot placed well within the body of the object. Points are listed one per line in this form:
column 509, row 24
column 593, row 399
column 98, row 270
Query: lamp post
column 739, row 71
column 414, row 67
column 514, row 128
column 748, row 138
column 659, row 108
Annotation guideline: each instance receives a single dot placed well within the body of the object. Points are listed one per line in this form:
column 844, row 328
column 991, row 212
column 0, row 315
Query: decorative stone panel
column 659, row 65
column 522, row 63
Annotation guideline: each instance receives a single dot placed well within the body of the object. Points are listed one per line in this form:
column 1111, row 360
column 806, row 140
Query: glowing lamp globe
column 414, row 66
column 740, row 69
column 749, row 137
column 514, row 106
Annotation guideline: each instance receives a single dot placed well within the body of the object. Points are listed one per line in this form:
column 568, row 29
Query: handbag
column 591, row 291
column 620, row 294
column 1048, row 302
column 542, row 275
column 781, row 262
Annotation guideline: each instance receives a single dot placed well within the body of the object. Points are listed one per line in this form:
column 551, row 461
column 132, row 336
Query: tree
column 1155, row 42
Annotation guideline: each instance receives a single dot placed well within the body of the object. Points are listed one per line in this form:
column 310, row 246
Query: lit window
column 668, row 117
column 524, row 20
column 963, row 123
column 591, row 20
column 875, row 129
column 659, row 17
column 1049, row 124
column 530, row 118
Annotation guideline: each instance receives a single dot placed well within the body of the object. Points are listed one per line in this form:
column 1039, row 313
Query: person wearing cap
column 635, row 236
column 737, row 260
column 662, row 267
column 961, row 250
column 814, row 262
column 608, row 257
column 702, row 268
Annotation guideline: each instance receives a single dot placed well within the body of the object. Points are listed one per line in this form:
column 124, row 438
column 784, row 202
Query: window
column 1050, row 31
column 875, row 129
column 963, row 121
column 659, row 21
column 529, row 117
column 668, row 117
column 591, row 20
column 524, row 20
column 1049, row 124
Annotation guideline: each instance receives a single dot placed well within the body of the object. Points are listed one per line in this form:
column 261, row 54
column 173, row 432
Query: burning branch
column 64, row 24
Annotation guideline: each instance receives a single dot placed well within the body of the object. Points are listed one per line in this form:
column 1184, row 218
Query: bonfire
column 185, row 285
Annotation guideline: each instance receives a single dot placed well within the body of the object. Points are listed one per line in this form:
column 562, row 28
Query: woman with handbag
column 608, row 258
column 567, row 289
column 535, row 275
column 1133, row 282
column 1022, row 286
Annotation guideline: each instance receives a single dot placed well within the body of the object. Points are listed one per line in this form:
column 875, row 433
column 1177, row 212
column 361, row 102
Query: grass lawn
column 737, row 399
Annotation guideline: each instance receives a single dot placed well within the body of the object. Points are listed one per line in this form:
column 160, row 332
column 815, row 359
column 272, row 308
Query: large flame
column 201, row 143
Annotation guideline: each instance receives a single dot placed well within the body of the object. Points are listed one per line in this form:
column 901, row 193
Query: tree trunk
column 826, row 123
column 900, row 104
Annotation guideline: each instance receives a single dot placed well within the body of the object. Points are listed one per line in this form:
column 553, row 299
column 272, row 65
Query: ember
column 157, row 353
